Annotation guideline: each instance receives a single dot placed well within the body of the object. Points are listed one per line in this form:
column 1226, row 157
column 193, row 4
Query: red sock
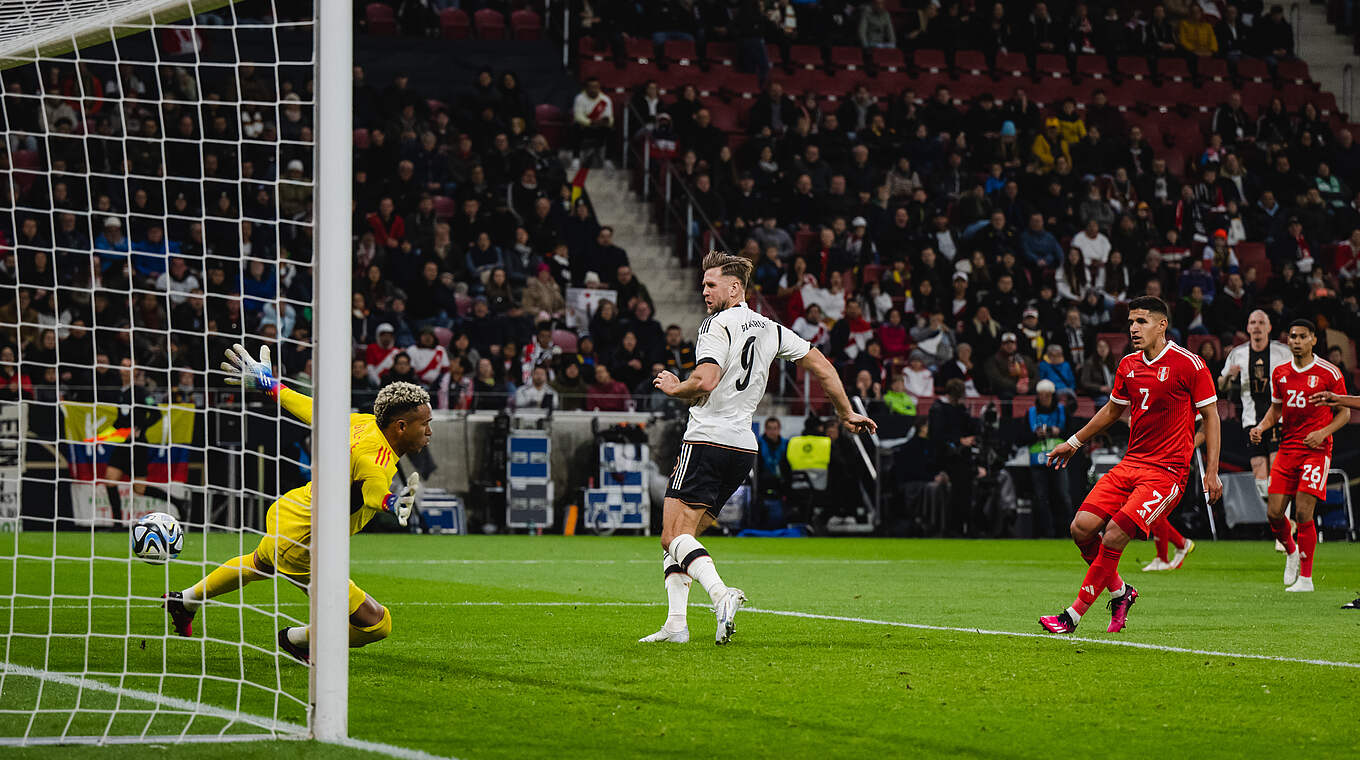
column 1307, row 545
column 1090, row 549
column 1281, row 528
column 1171, row 534
column 1105, row 566
column 1159, row 537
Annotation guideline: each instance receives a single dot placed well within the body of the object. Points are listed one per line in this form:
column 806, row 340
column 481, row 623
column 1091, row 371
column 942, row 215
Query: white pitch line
column 291, row 730
column 871, row 621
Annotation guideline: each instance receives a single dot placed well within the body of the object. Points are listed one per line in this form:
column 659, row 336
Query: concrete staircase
column 674, row 289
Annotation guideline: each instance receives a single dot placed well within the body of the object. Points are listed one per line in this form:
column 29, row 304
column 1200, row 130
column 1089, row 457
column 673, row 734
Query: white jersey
column 743, row 344
column 1255, row 380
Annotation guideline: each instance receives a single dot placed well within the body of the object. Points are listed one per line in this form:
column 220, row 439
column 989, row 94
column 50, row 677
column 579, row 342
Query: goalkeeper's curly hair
column 397, row 399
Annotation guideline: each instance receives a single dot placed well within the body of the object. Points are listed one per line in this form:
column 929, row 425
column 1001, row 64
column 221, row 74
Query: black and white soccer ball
column 157, row 538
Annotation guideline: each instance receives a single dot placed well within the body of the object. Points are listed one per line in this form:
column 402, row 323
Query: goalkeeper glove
column 248, row 373
column 403, row 501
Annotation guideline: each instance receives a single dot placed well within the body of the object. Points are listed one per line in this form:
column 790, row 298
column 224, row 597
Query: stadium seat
column 1253, row 69
column 1214, row 68
column 1011, row 65
column 929, row 60
column 454, row 24
column 1295, row 72
column 803, row 241
column 1194, row 342
column 445, row 207
column 1253, row 255
column 724, row 116
column 526, row 25
column 847, row 57
column 971, row 62
column 360, row 139
column 1050, row 65
column 25, row 159
column 1093, row 66
column 639, row 49
column 1119, row 342
column 586, row 48
column 773, row 53
column 551, row 123
column 1134, row 66
column 724, row 53
column 871, row 273
column 1174, row 69
column 380, row 19
column 443, row 335
column 807, row 56
column 490, row 24
column 739, row 82
column 890, row 59
column 681, row 52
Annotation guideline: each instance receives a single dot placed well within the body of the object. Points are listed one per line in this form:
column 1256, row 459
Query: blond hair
column 739, row 267
column 397, row 399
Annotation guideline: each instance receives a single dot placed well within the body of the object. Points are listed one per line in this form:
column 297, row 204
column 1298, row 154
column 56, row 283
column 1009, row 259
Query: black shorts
column 707, row 474
column 1270, row 443
column 129, row 457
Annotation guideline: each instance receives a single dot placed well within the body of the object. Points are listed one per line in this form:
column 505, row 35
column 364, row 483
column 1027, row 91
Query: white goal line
column 279, row 730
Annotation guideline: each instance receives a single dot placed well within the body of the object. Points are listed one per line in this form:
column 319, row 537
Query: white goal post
column 88, row 655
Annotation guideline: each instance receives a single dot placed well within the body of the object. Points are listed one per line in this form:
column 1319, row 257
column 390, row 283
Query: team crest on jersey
column 1312, row 380
column 1161, row 374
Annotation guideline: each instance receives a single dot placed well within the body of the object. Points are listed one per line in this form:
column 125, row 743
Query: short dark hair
column 1150, row 303
column 1308, row 323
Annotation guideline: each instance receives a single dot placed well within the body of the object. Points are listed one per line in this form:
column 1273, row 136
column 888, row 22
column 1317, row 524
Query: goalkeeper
column 400, row 424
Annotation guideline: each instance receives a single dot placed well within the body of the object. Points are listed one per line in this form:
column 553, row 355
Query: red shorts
column 1144, row 495
column 1298, row 471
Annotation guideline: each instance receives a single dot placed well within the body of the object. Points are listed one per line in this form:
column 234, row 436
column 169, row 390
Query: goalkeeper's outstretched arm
column 252, row 374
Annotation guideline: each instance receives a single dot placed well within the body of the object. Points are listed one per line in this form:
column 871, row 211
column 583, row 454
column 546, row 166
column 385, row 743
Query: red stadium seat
column 847, row 57
column 1213, row 94
column 1175, row 69
column 454, row 25
column 586, row 48
column 1119, row 342
column 445, row 207
column 361, row 139
column 739, row 82
column 526, row 25
column 1254, row 69
column 724, row 116
column 1011, row 65
column 871, row 273
column 1133, row 66
column 680, row 51
column 1093, row 66
column 1194, row 342
column 804, row 241
column 929, row 60
column 724, row 53
column 1214, row 68
column 639, row 49
column 1050, row 65
column 807, row 56
column 774, row 54
column 971, row 62
column 890, row 59
column 380, row 19
column 1253, row 256
column 490, row 24
column 26, row 159
column 565, row 339
column 1295, row 71
column 551, row 123
column 1175, row 161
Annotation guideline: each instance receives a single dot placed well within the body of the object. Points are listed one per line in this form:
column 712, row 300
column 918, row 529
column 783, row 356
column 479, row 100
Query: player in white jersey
column 734, row 350
column 1251, row 364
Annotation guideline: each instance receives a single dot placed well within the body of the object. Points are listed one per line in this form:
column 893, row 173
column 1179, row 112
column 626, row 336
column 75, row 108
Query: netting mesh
column 155, row 209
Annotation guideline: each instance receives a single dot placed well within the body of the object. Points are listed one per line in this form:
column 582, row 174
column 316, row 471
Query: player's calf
column 363, row 635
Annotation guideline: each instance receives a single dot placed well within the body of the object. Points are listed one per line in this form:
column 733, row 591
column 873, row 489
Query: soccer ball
column 157, row 538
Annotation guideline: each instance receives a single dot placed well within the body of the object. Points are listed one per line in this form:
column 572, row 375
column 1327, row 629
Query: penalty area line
column 1055, row 637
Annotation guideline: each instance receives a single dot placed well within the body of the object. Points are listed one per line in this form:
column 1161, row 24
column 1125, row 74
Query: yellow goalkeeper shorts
column 287, row 541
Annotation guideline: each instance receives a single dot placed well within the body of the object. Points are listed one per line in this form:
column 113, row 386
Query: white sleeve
column 792, row 347
column 1234, row 358
column 713, row 342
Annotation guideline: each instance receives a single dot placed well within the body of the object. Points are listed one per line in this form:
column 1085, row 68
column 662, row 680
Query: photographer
column 1052, row 503
column 954, row 434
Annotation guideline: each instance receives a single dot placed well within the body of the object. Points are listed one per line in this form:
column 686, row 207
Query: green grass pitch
column 523, row 647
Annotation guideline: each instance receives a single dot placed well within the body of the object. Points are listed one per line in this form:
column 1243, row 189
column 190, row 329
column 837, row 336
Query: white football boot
column 1291, row 567
column 1302, row 584
column 674, row 637
column 726, row 611
column 1178, row 558
column 1155, row 565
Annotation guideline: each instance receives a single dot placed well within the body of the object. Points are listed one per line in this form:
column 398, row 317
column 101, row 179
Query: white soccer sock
column 677, row 594
column 1076, row 616
column 1120, row 592
column 1263, row 488
column 297, row 635
column 700, row 566
column 191, row 600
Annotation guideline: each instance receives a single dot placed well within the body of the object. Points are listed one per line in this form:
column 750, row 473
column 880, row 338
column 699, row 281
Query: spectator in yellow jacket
column 1196, row 36
column 1047, row 147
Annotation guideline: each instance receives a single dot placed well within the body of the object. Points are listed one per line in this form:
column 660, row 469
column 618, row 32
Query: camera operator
column 954, row 434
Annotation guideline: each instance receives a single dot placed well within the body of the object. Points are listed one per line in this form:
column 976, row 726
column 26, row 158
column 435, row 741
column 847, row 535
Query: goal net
column 157, row 208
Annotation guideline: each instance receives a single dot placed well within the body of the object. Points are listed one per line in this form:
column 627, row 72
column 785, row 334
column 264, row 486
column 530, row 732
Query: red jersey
column 1290, row 387
column 1163, row 395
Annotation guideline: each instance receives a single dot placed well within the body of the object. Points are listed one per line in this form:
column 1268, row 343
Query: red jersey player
column 1162, row 385
column 1305, row 455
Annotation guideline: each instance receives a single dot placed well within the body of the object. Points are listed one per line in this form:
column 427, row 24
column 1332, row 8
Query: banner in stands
column 581, row 304
column 11, row 467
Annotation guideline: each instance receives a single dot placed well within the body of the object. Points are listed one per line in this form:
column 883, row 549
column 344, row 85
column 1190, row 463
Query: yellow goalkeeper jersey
column 372, row 465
